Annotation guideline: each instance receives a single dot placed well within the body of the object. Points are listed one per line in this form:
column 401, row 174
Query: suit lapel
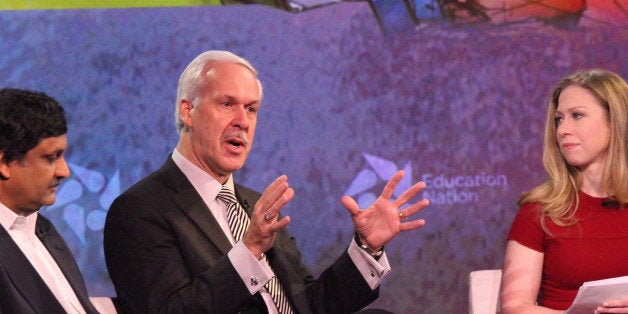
column 60, row 252
column 193, row 206
column 25, row 278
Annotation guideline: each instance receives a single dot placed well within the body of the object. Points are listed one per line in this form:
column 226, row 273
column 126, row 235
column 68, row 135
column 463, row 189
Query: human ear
column 5, row 170
column 185, row 108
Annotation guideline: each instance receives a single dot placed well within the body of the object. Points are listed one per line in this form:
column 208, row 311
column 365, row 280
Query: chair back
column 484, row 286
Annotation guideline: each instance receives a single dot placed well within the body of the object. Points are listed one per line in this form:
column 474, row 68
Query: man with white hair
column 188, row 239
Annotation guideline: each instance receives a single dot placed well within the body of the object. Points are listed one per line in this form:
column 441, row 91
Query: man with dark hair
column 38, row 273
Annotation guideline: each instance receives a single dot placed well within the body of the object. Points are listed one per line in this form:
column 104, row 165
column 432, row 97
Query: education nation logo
column 440, row 188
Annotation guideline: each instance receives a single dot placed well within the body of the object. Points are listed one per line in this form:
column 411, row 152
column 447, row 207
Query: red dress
column 595, row 248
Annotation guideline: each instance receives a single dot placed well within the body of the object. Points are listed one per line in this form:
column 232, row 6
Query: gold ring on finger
column 268, row 218
column 402, row 216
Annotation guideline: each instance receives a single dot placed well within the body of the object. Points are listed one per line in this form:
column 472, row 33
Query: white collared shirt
column 22, row 231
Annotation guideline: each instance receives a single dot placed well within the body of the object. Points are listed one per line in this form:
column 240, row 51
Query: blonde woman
column 574, row 227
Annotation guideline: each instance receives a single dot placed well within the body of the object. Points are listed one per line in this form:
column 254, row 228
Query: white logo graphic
column 85, row 184
column 381, row 171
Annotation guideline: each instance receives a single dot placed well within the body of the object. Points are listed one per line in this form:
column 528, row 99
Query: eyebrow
column 231, row 98
column 572, row 108
column 56, row 152
column 251, row 103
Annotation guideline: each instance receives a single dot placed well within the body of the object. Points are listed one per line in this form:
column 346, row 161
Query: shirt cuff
column 374, row 271
column 254, row 274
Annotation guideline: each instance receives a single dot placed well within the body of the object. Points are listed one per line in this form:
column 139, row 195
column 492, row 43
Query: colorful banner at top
column 91, row 4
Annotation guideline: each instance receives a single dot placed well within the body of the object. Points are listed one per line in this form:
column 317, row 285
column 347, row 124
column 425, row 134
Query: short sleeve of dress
column 526, row 228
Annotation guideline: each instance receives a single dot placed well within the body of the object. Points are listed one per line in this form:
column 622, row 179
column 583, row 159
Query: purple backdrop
column 460, row 106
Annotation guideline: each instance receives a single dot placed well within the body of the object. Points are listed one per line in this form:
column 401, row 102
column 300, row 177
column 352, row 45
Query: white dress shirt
column 247, row 266
column 22, row 231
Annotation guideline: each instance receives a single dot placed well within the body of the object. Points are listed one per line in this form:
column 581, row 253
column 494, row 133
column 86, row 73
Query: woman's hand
column 613, row 306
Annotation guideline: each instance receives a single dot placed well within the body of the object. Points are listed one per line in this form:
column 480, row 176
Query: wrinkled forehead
column 219, row 73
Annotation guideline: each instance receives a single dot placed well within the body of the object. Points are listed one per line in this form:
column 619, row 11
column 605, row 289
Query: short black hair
column 27, row 117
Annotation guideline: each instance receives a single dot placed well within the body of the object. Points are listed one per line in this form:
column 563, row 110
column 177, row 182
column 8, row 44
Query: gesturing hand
column 260, row 235
column 382, row 221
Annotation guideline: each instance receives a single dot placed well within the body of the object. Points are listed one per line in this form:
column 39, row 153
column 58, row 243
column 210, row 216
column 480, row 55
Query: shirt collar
column 10, row 220
column 201, row 180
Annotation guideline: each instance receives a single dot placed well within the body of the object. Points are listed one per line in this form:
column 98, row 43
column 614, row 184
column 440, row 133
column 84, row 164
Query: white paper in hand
column 592, row 293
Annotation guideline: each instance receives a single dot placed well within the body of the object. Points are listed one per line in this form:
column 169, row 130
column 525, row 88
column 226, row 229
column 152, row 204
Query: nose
column 241, row 118
column 62, row 170
column 564, row 128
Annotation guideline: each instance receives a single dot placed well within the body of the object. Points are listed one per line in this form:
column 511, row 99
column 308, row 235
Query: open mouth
column 54, row 184
column 235, row 143
column 236, row 139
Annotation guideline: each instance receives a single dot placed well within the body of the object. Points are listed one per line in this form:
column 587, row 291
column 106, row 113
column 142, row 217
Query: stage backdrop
column 459, row 105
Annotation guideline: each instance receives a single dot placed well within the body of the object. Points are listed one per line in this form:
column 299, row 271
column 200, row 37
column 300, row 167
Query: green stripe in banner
column 87, row 4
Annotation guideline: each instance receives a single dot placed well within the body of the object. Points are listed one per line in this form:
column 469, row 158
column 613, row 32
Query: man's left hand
column 383, row 221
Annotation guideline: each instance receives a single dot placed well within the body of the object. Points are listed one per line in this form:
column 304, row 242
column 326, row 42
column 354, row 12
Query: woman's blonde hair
column 558, row 196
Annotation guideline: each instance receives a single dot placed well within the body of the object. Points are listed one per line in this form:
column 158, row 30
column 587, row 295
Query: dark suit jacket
column 166, row 253
column 21, row 288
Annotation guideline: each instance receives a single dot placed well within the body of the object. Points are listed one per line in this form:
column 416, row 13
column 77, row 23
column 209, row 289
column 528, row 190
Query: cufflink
column 254, row 281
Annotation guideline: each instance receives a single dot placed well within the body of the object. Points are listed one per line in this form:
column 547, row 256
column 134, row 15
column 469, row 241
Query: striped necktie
column 238, row 223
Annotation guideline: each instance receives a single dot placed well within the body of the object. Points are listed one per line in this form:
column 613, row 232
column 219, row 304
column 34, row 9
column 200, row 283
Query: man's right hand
column 260, row 235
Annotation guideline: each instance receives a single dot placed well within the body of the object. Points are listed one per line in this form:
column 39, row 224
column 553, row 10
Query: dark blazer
column 21, row 288
column 166, row 253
